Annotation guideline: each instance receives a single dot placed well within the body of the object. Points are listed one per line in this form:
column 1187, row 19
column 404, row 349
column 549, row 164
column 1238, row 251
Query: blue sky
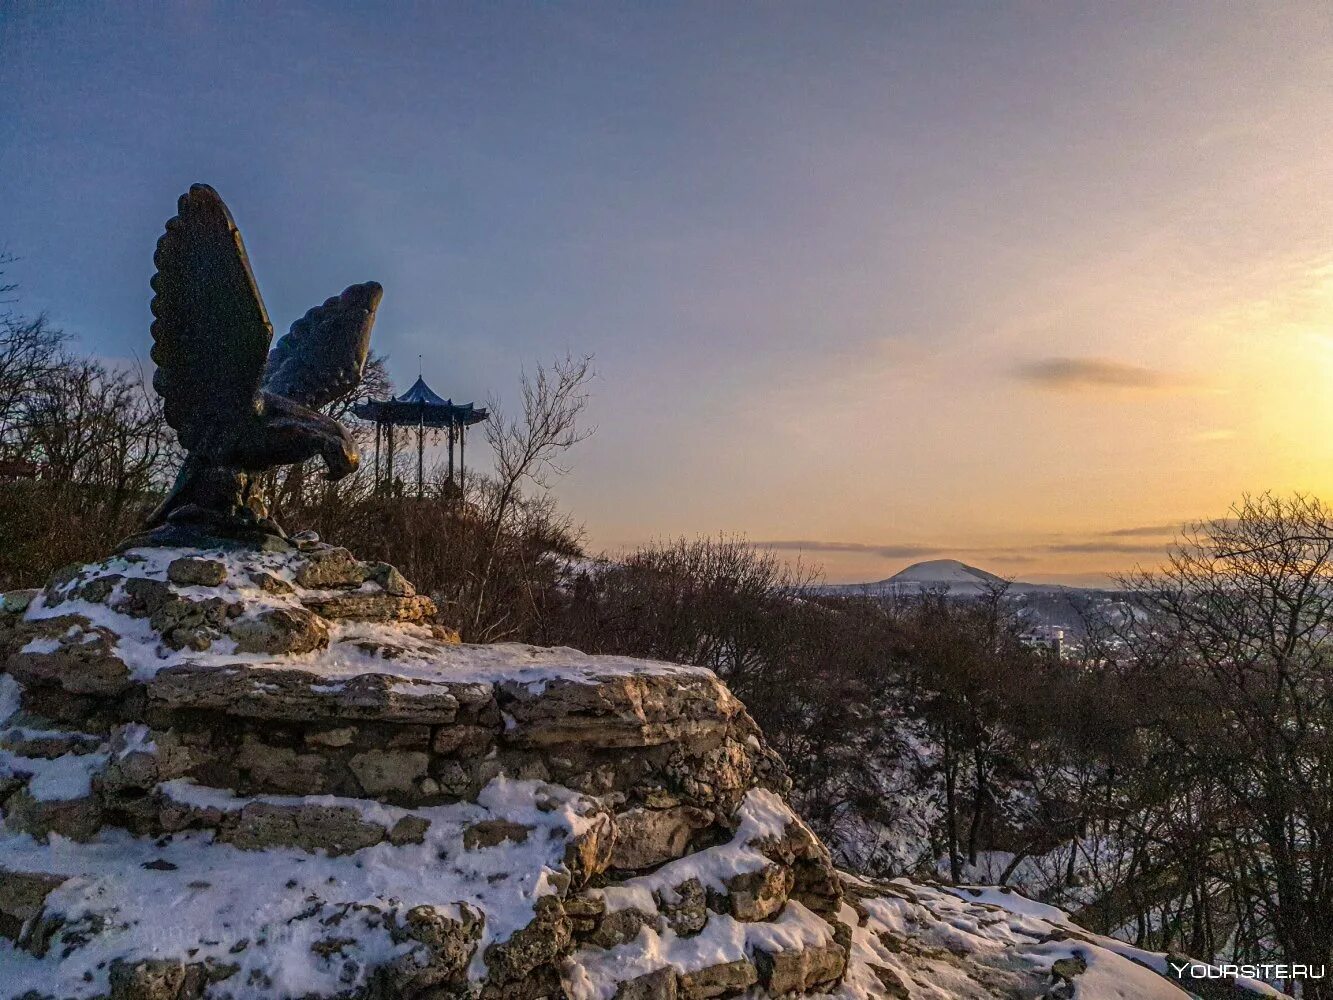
column 821, row 252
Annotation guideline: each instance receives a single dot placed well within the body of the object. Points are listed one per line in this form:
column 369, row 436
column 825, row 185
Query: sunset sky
column 1022, row 284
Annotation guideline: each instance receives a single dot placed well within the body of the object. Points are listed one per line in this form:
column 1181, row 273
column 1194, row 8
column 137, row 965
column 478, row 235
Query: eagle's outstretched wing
column 322, row 356
column 211, row 332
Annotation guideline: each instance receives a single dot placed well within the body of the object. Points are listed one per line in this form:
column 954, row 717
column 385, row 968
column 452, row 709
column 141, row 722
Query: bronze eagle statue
column 237, row 407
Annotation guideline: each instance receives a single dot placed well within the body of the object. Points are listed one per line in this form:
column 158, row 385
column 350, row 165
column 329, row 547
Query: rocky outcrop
column 240, row 773
column 252, row 728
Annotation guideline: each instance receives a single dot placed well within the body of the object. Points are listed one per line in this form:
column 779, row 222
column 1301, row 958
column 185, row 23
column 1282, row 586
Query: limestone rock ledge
column 230, row 773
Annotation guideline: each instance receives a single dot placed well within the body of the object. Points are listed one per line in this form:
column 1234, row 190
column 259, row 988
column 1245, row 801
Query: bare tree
column 98, row 429
column 1236, row 649
column 7, row 288
column 529, row 448
column 30, row 355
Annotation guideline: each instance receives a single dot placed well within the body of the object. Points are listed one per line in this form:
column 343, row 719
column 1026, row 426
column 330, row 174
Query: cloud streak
column 1146, row 531
column 1070, row 374
column 1014, row 554
column 1106, row 548
column 889, row 551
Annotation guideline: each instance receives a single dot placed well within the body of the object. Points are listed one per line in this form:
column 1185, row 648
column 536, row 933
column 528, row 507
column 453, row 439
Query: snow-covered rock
column 232, row 773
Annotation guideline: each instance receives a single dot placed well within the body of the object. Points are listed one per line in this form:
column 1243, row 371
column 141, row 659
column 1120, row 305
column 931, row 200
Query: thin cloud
column 885, row 551
column 1005, row 554
column 1147, row 530
column 1067, row 374
column 1106, row 548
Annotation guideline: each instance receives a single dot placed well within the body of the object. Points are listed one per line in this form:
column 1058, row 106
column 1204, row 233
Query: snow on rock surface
column 231, row 773
column 285, row 921
column 973, row 942
column 107, row 597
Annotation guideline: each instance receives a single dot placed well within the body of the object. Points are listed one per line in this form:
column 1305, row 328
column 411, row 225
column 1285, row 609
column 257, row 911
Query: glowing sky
column 1025, row 284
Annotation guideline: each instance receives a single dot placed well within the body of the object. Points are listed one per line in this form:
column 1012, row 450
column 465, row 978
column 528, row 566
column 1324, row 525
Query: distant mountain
column 1041, row 607
column 959, row 578
column 939, row 573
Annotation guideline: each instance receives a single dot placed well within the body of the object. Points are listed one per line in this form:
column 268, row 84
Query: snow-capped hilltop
column 941, row 573
column 953, row 576
column 958, row 578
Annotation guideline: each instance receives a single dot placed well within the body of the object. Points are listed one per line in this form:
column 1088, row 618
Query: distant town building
column 1049, row 637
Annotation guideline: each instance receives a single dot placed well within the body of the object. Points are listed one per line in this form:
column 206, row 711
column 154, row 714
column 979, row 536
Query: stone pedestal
column 294, row 720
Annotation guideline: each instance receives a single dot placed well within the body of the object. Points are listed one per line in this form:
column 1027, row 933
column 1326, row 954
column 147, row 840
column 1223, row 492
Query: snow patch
column 67, row 777
column 11, row 695
column 264, row 910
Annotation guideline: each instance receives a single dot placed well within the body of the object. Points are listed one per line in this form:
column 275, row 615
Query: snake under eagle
column 237, row 407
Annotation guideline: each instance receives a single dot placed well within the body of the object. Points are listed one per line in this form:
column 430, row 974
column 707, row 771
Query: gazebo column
column 462, row 458
column 421, row 457
column 451, row 451
column 379, row 429
column 388, row 429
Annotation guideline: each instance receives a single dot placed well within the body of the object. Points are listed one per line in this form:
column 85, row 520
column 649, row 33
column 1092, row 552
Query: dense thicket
column 1231, row 666
column 94, row 436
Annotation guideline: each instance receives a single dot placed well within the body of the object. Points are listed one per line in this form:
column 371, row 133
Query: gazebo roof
column 420, row 406
column 422, row 393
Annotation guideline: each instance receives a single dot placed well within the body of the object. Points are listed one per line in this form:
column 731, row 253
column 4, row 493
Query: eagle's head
column 340, row 455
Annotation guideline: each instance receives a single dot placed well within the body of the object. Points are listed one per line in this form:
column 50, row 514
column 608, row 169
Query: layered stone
column 301, row 704
column 285, row 701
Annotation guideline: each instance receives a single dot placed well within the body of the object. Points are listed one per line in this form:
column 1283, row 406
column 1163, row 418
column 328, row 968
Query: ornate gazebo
column 421, row 408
